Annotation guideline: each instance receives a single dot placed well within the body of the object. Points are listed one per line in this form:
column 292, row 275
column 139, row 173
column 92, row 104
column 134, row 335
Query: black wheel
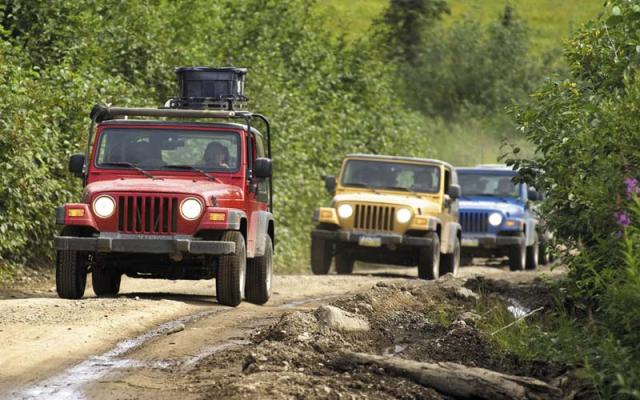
column 344, row 263
column 429, row 258
column 518, row 255
column 465, row 261
column 259, row 275
column 105, row 281
column 321, row 255
column 230, row 280
column 543, row 254
column 71, row 273
column 449, row 263
column 532, row 255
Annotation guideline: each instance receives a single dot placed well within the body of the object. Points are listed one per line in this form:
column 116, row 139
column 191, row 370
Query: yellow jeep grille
column 370, row 217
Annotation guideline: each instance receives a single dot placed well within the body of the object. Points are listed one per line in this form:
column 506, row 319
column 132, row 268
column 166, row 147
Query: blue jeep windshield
column 493, row 185
column 385, row 175
column 158, row 149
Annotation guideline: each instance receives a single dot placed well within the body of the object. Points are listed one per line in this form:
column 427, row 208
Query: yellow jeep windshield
column 384, row 175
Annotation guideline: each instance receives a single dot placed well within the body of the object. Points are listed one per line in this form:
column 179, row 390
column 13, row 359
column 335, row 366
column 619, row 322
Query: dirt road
column 53, row 348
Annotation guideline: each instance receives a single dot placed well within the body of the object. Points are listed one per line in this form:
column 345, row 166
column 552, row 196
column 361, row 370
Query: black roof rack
column 210, row 88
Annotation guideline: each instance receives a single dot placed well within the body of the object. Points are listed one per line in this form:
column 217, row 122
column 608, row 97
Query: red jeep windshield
column 158, row 149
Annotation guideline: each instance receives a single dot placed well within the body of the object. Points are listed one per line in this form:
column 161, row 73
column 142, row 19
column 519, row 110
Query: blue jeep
column 498, row 220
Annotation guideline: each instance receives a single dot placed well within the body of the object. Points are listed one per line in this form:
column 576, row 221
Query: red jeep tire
column 232, row 268
column 260, row 275
column 106, row 282
column 71, row 273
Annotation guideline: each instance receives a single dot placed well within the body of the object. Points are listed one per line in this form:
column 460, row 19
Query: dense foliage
column 586, row 134
column 452, row 70
column 59, row 58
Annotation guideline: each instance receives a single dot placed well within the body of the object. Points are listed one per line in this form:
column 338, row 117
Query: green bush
column 585, row 133
column 472, row 66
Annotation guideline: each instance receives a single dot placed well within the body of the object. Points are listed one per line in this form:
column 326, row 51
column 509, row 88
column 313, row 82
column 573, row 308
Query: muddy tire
column 106, row 282
column 260, row 275
column 321, row 255
column 449, row 263
column 71, row 273
column 429, row 259
column 232, row 268
column 344, row 263
column 518, row 255
column 533, row 255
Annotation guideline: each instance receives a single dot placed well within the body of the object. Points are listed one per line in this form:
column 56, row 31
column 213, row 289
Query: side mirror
column 76, row 163
column 262, row 168
column 454, row 191
column 534, row 195
column 330, row 184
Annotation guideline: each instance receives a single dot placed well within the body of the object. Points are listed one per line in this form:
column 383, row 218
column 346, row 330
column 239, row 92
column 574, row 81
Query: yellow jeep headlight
column 345, row 211
column 403, row 215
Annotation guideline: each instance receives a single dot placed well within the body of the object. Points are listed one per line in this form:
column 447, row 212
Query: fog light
column 217, row 216
column 75, row 212
column 326, row 214
column 421, row 221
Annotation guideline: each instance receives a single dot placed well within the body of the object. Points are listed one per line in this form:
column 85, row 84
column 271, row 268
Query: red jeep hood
column 203, row 188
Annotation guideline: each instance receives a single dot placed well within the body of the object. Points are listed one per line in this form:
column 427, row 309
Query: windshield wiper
column 400, row 188
column 192, row 168
column 130, row 165
column 364, row 185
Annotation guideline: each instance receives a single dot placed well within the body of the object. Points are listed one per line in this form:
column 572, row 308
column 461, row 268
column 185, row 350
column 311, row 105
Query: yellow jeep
column 389, row 210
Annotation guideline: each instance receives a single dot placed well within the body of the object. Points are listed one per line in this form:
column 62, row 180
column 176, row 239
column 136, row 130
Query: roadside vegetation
column 426, row 78
column 584, row 129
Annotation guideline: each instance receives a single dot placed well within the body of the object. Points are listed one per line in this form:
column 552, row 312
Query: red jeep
column 167, row 197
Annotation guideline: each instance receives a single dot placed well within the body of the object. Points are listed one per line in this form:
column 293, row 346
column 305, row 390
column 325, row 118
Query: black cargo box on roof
column 206, row 87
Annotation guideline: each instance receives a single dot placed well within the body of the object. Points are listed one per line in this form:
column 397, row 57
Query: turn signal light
column 420, row 221
column 216, row 216
column 75, row 212
column 326, row 214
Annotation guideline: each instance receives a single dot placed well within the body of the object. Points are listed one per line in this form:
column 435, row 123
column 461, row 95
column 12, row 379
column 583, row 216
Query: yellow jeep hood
column 427, row 204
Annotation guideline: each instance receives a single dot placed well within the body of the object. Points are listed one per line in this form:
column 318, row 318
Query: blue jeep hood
column 507, row 205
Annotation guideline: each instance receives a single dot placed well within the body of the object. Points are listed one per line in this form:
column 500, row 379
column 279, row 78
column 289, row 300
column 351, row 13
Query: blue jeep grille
column 474, row 221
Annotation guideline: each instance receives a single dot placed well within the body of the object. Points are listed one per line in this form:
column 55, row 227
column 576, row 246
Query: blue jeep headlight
column 495, row 219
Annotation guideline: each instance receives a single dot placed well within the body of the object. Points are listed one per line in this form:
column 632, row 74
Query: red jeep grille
column 147, row 214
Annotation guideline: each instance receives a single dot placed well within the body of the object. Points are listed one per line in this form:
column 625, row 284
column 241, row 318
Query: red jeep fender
column 258, row 231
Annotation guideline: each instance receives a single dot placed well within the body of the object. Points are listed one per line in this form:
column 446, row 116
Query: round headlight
column 495, row 219
column 403, row 215
column 345, row 211
column 190, row 208
column 104, row 206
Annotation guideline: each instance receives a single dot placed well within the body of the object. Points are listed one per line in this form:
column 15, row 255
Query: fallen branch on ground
column 459, row 380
